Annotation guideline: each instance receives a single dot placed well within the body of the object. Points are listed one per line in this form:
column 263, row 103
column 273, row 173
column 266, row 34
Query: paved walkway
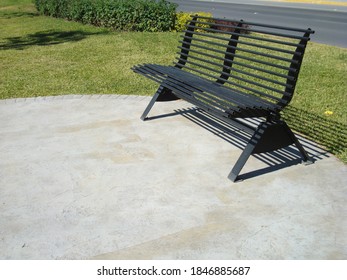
column 82, row 177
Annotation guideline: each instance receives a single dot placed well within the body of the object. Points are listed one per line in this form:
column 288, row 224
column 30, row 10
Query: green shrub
column 132, row 15
column 183, row 17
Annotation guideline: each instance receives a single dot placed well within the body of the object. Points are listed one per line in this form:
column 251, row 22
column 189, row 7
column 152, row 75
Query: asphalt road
column 329, row 22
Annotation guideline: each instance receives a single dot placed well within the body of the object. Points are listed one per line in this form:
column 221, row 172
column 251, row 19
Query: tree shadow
column 11, row 14
column 46, row 38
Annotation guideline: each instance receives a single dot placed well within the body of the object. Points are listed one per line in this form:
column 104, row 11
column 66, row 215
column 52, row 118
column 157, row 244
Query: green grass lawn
column 42, row 56
column 46, row 56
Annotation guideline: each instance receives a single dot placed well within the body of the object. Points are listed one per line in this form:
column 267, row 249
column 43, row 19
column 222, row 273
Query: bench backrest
column 252, row 58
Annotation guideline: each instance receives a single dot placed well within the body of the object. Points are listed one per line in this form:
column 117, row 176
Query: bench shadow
column 330, row 133
column 45, row 38
column 273, row 161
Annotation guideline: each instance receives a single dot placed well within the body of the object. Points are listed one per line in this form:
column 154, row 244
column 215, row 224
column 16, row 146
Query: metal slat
column 189, row 88
column 252, row 37
column 254, row 90
column 243, row 42
column 251, row 59
column 252, row 30
column 206, row 68
column 242, row 72
column 243, row 79
column 181, row 91
column 261, row 78
column 205, row 85
column 237, row 85
column 262, row 70
column 143, row 71
column 248, row 51
column 202, row 84
column 210, row 99
column 204, row 47
column 261, row 24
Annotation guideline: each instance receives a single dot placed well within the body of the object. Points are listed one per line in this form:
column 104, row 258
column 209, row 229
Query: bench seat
column 207, row 94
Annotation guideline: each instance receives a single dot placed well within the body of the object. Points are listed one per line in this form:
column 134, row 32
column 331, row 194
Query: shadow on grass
column 330, row 133
column 45, row 38
column 11, row 14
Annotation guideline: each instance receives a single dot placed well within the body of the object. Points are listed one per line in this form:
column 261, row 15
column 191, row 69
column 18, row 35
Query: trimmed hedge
column 128, row 15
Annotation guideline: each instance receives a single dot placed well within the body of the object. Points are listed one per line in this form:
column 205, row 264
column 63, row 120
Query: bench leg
column 234, row 173
column 149, row 106
column 267, row 137
column 162, row 94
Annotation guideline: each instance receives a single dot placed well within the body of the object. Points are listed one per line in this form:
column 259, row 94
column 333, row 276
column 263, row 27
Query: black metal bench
column 236, row 70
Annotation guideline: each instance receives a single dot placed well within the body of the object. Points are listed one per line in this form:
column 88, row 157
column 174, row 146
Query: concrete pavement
column 82, row 177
